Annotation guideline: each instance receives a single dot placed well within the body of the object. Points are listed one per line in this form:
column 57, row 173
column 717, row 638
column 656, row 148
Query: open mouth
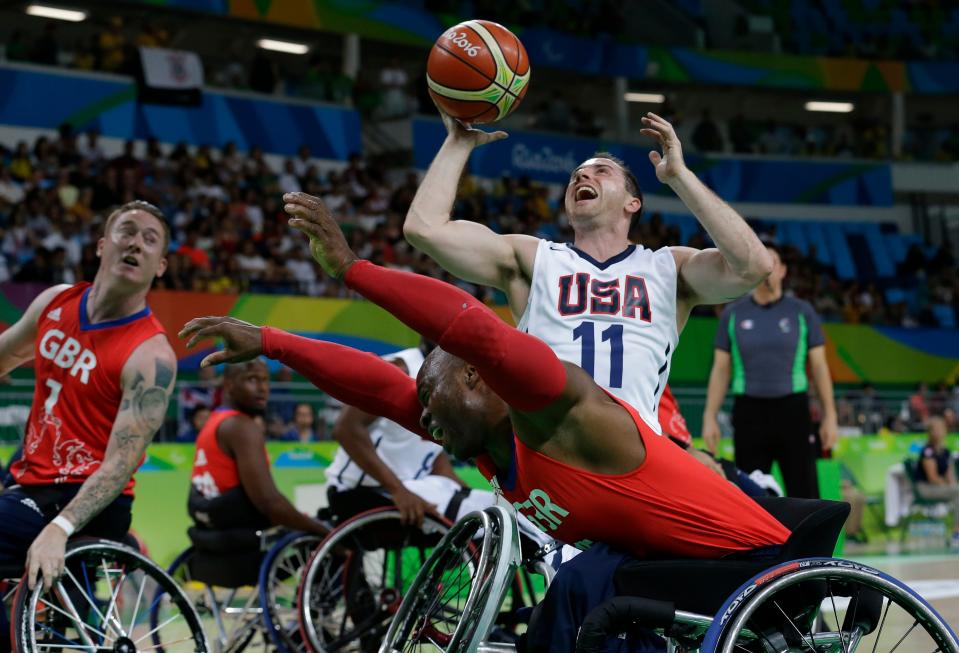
column 130, row 260
column 585, row 193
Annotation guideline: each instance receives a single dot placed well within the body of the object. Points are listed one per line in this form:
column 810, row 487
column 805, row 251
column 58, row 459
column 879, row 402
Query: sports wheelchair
column 355, row 581
column 792, row 603
column 110, row 598
column 243, row 584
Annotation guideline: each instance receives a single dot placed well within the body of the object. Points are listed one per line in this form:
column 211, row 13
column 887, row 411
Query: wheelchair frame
column 712, row 634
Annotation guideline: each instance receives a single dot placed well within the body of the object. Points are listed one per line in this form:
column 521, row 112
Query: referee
column 763, row 344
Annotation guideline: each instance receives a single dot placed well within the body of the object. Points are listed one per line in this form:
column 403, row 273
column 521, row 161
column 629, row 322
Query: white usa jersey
column 616, row 319
column 408, row 455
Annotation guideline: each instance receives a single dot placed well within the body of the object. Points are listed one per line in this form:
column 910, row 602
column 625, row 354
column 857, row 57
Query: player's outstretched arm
column 16, row 343
column 353, row 377
column 740, row 260
column 147, row 381
column 465, row 249
column 244, row 442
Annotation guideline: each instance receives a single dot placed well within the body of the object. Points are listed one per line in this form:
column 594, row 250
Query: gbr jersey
column 77, row 393
column 616, row 318
column 408, row 455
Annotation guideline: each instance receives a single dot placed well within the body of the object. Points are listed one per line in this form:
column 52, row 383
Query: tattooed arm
column 147, row 382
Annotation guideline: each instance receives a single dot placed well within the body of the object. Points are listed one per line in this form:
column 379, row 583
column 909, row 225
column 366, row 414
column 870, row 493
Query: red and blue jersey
column 214, row 471
column 668, row 507
column 78, row 368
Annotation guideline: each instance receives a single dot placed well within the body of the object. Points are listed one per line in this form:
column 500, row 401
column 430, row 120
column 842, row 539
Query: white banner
column 171, row 69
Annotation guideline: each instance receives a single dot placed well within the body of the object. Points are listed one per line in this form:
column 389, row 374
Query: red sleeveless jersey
column 671, row 506
column 77, row 394
column 215, row 472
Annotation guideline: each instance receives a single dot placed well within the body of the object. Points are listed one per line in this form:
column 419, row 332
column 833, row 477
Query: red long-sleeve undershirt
column 349, row 375
column 521, row 369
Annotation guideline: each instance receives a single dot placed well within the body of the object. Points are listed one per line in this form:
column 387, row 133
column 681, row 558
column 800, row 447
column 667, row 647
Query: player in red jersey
column 104, row 373
column 232, row 486
column 542, row 431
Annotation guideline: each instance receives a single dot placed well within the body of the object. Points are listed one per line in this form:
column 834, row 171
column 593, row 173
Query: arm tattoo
column 164, row 374
column 141, row 414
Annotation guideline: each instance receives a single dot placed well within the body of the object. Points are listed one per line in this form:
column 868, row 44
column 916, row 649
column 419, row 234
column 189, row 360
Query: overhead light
column 57, row 13
column 283, row 46
column 648, row 98
column 830, row 107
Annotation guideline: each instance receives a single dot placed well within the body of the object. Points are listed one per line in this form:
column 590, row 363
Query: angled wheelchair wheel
column 103, row 603
column 230, row 616
column 280, row 575
column 456, row 597
column 355, row 580
column 827, row 605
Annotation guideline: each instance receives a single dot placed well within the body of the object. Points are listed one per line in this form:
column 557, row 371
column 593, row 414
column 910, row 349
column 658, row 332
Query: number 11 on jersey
column 586, row 332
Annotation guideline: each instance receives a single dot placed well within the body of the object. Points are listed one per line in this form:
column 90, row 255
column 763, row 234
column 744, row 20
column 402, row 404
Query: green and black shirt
column 768, row 345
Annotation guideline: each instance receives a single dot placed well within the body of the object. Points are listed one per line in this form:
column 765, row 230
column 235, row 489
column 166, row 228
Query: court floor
column 934, row 576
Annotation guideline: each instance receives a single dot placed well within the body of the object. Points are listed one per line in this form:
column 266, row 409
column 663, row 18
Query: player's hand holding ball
column 477, row 73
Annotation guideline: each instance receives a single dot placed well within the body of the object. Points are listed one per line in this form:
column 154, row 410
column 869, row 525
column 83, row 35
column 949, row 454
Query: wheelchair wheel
column 456, row 597
column 103, row 602
column 826, row 604
column 355, row 580
column 230, row 616
column 279, row 581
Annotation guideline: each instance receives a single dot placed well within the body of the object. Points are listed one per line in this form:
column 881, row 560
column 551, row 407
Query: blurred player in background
column 612, row 307
column 377, row 456
column 232, row 486
column 104, row 374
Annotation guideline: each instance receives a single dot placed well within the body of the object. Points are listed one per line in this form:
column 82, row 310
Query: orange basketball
column 478, row 71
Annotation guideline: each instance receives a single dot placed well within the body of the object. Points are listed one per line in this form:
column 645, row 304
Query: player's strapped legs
column 521, row 369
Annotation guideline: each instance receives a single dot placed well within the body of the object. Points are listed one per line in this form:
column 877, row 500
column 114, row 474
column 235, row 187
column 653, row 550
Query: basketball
column 478, row 71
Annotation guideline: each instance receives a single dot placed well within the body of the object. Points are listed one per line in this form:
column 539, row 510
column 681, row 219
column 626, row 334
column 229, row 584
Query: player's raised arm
column 147, row 382
column 16, row 343
column 346, row 374
column 468, row 250
column 739, row 261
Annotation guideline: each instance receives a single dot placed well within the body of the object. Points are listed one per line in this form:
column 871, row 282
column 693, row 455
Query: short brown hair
column 146, row 207
column 632, row 185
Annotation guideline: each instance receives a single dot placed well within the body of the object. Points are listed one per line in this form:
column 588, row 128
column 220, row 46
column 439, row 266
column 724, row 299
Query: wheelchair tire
column 355, row 579
column 794, row 605
column 278, row 587
column 210, row 608
column 426, row 616
column 93, row 599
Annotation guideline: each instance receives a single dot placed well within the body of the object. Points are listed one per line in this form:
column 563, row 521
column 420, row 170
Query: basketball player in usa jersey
column 614, row 308
column 104, row 374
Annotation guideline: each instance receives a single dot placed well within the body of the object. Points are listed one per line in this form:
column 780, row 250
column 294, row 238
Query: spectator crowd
column 230, row 233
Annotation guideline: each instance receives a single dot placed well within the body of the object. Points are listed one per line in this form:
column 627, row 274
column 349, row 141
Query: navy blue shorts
column 26, row 510
column 580, row 585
